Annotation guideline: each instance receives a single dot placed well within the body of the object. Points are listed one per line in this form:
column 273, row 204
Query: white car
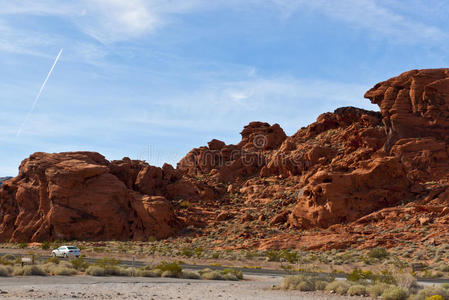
column 66, row 251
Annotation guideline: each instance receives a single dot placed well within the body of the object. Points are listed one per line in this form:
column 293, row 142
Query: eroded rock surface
column 76, row 196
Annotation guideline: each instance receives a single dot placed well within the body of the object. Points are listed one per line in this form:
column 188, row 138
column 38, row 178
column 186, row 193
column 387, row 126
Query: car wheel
column 53, row 254
column 65, row 255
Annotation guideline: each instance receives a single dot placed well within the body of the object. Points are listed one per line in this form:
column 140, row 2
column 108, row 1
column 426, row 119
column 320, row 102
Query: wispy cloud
column 372, row 15
column 230, row 105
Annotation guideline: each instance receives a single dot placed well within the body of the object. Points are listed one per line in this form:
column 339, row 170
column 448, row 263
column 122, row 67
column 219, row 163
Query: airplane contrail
column 38, row 94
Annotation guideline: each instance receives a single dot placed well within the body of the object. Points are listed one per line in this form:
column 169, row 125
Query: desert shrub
column 9, row 257
column 378, row 253
column 157, row 272
column 236, row 273
column 386, row 276
column 199, row 252
column 173, row 267
column 22, row 245
column 146, row 273
column 444, row 268
column 395, row 293
column 305, row 283
column 63, row 271
column 430, row 291
column 272, row 255
column 79, row 264
column 290, row 256
column 357, row 290
column 320, row 285
column 377, row 289
column 170, row 274
column 214, row 275
column 4, row 261
column 445, row 286
column 5, row 271
column 95, row 271
column 190, row 275
column 117, row 271
column 45, row 245
column 187, row 252
column 305, row 286
column 357, row 275
column 30, row 270
column 435, row 297
column 339, row 286
column 405, row 280
column 294, row 282
column 230, row 277
column 207, row 270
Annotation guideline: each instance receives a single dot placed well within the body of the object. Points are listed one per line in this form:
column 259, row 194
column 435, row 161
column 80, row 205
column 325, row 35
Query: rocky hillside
column 354, row 178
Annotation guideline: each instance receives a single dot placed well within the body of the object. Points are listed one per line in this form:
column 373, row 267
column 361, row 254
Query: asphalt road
column 246, row 271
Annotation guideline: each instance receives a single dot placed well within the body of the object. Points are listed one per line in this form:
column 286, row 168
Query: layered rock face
column 414, row 104
column 77, row 196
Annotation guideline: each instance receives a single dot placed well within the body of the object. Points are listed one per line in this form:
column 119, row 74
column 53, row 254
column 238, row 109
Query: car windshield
column 72, row 248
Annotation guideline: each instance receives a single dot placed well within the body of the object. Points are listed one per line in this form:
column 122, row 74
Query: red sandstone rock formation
column 76, row 196
column 350, row 168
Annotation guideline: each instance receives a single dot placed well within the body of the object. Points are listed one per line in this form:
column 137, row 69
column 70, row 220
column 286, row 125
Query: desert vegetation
column 392, row 286
column 420, row 260
column 12, row 266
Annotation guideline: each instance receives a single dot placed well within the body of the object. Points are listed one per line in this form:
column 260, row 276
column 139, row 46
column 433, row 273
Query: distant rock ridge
column 345, row 169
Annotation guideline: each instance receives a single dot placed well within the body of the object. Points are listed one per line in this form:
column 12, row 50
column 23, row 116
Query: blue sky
column 152, row 79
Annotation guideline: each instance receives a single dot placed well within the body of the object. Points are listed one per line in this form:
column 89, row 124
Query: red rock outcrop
column 76, row 196
column 228, row 163
column 414, row 104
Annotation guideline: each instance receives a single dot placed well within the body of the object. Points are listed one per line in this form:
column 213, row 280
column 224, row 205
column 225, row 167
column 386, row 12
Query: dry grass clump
column 29, row 270
column 213, row 275
column 146, row 272
column 95, row 271
column 190, row 275
column 340, row 287
column 79, row 264
column 5, row 271
column 104, row 267
column 169, row 269
column 395, row 293
column 377, row 289
column 56, row 267
column 64, row 271
column 226, row 274
column 357, row 290
column 305, row 283
column 108, row 271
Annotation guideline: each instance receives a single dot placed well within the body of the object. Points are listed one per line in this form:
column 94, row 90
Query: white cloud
column 106, row 20
column 116, row 20
column 370, row 15
column 113, row 20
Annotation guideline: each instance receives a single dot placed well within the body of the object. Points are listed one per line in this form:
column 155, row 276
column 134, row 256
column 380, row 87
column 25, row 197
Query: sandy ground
column 87, row 287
